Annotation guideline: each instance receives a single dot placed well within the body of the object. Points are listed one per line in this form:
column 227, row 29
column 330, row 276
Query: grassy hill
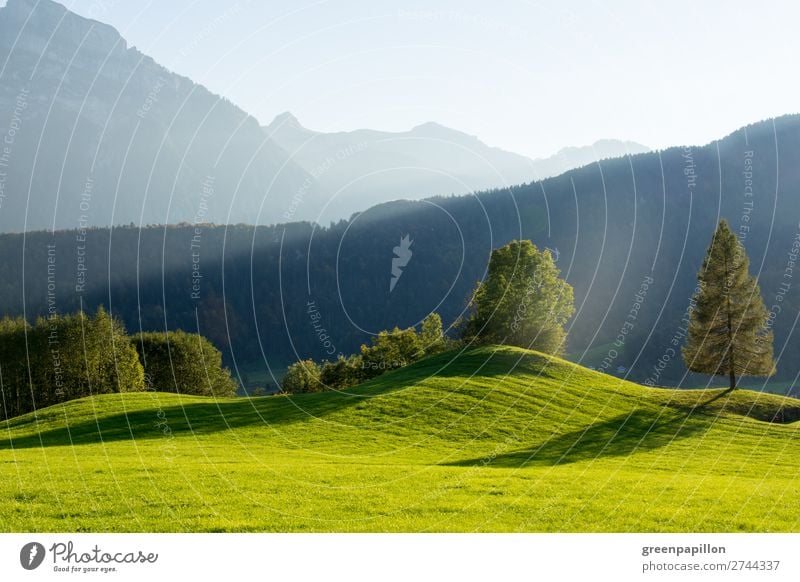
column 495, row 439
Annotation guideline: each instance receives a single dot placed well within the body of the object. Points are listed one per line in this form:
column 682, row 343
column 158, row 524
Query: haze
column 530, row 77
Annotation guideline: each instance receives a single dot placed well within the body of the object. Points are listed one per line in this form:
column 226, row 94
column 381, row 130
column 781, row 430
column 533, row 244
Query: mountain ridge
column 103, row 120
column 147, row 138
column 363, row 167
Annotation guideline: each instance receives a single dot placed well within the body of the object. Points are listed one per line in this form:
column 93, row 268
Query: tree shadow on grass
column 752, row 404
column 194, row 418
column 486, row 362
column 641, row 430
column 214, row 416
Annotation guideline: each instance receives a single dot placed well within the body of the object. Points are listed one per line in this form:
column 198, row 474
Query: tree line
column 388, row 351
column 609, row 225
column 524, row 302
column 521, row 302
column 63, row 357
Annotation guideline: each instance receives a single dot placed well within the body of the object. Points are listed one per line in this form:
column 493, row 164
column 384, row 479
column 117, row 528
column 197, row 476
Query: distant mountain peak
column 604, row 149
column 284, row 121
column 428, row 125
column 286, row 117
column 433, row 129
column 607, row 142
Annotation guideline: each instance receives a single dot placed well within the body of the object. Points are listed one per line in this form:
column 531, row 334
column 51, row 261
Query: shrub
column 431, row 335
column 186, row 363
column 302, row 376
column 391, row 350
column 63, row 357
column 342, row 373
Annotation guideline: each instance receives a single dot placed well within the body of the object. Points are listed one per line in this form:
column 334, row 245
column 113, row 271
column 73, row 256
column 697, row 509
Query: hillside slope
column 496, row 439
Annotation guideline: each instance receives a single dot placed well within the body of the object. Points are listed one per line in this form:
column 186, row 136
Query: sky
column 529, row 77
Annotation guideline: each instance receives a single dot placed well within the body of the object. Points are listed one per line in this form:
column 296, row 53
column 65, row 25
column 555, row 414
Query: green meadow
column 493, row 439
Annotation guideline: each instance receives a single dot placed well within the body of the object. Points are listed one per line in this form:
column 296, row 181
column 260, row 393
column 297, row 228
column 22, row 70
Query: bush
column 342, row 373
column 185, row 363
column 117, row 367
column 391, row 350
column 64, row 357
column 302, row 376
column 431, row 335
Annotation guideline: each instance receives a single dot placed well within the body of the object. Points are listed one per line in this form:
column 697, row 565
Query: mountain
column 358, row 169
column 99, row 134
column 569, row 158
column 628, row 233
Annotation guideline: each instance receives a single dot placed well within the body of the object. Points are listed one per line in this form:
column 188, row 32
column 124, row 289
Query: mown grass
column 495, row 439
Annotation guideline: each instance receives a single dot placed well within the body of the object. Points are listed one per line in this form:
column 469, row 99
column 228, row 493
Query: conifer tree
column 728, row 333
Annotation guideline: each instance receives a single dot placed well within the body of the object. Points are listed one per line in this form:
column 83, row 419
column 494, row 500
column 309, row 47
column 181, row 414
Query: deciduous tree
column 522, row 301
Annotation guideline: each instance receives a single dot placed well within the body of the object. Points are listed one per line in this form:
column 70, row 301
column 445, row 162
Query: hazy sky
column 530, row 77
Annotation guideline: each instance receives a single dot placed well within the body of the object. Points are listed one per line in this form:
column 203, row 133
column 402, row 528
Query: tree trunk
column 732, row 369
